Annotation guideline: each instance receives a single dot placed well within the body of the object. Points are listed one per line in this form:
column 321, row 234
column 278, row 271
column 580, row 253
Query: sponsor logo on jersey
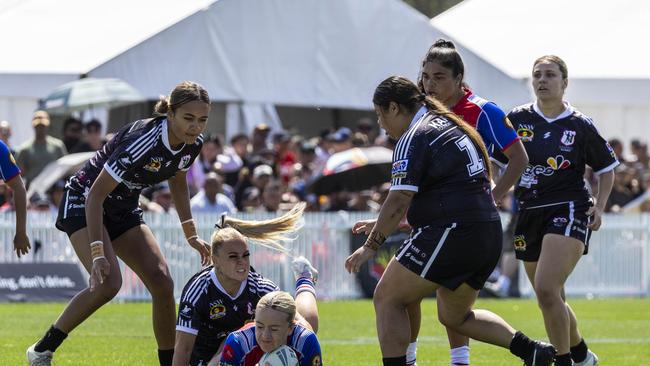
column 399, row 169
column 568, row 138
column 526, row 133
column 559, row 221
column 185, row 160
column 547, row 135
column 217, row 311
column 529, row 176
column 507, row 123
column 185, row 310
column 316, row 361
column 154, row 164
column 11, row 158
column 519, row 242
column 611, row 150
column 439, row 123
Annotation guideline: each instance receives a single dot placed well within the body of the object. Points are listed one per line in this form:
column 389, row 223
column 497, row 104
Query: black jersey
column 558, row 150
column 138, row 156
column 209, row 312
column 438, row 161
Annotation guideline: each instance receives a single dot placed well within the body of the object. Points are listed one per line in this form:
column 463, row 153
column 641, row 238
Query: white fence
column 618, row 262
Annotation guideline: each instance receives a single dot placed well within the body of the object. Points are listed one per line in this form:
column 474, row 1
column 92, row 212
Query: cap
column 262, row 170
column 280, row 137
column 262, row 127
column 341, row 135
column 40, row 118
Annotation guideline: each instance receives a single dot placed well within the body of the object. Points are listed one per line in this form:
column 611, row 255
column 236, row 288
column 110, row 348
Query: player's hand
column 99, row 272
column 21, row 244
column 363, row 226
column 359, row 257
column 595, row 215
column 202, row 247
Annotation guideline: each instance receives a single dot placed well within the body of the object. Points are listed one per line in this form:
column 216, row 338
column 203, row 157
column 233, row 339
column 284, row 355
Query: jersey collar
column 568, row 110
column 165, row 138
column 421, row 112
column 215, row 280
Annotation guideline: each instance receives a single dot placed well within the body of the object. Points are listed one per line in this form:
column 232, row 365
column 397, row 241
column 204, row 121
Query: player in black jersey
column 556, row 213
column 221, row 298
column 441, row 175
column 101, row 216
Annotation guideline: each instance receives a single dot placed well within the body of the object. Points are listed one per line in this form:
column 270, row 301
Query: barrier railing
column 618, row 262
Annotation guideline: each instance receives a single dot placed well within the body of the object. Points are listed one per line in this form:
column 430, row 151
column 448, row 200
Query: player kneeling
column 276, row 325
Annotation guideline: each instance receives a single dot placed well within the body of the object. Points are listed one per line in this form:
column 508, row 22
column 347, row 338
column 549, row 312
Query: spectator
column 93, row 139
column 285, row 157
column 72, row 133
column 640, row 152
column 262, row 175
column 204, row 164
column 617, row 146
column 43, row 149
column 250, row 199
column 211, row 199
column 260, row 137
column 272, row 196
column 365, row 126
column 340, row 140
column 360, row 140
column 161, row 201
column 5, row 134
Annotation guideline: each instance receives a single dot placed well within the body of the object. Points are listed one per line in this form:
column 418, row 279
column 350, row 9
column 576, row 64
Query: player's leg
column 455, row 311
column 306, row 276
column 559, row 256
column 397, row 288
column 458, row 348
column 84, row 303
column 139, row 250
column 415, row 320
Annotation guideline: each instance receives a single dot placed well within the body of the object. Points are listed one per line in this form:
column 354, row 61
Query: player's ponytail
column 272, row 233
column 185, row 92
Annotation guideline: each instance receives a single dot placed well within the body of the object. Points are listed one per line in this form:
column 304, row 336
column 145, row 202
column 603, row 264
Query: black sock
column 579, row 351
column 522, row 346
column 394, row 361
column 165, row 357
column 563, row 360
column 51, row 340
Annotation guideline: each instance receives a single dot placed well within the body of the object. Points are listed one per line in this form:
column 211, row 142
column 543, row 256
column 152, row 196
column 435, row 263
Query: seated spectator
column 271, row 196
column 161, row 201
column 251, row 199
column 260, row 137
column 211, row 199
column 340, row 140
column 360, row 140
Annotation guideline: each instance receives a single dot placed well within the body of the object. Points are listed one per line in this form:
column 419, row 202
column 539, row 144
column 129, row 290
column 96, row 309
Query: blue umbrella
column 89, row 93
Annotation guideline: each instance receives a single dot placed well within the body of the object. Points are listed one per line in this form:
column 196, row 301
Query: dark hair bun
column 443, row 43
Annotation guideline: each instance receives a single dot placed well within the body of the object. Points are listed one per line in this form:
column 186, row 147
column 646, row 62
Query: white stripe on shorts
column 65, row 207
column 435, row 252
column 567, row 232
column 410, row 241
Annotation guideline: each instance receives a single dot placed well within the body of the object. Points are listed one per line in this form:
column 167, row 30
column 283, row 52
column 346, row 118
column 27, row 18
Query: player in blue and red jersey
column 10, row 174
column 101, row 215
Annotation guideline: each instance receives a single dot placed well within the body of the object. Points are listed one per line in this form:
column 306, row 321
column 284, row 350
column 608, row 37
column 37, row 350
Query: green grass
column 618, row 330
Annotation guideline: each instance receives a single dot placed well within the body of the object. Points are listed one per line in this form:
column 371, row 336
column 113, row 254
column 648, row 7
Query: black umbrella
column 353, row 170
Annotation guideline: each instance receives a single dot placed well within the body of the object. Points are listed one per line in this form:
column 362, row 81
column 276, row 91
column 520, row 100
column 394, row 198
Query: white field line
column 430, row 339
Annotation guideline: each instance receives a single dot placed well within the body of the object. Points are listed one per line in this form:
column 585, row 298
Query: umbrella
column 354, row 169
column 90, row 93
column 56, row 170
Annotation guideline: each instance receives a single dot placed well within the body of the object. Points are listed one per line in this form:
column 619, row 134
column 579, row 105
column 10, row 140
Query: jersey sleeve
column 233, row 352
column 599, row 155
column 311, row 353
column 190, row 310
column 410, row 160
column 8, row 167
column 495, row 127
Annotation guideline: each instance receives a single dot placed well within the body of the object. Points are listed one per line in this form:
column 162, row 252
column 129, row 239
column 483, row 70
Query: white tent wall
column 290, row 53
column 601, row 42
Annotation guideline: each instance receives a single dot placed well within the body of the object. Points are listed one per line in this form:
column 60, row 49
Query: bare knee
column 547, row 295
column 383, row 297
column 451, row 320
column 106, row 291
column 160, row 282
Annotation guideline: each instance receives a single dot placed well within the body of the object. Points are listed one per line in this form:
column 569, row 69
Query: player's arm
column 311, row 352
column 181, row 196
column 101, row 188
column 517, row 162
column 21, row 241
column 183, row 348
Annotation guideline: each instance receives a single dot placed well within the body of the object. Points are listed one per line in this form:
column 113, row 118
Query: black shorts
column 72, row 216
column 564, row 218
column 453, row 254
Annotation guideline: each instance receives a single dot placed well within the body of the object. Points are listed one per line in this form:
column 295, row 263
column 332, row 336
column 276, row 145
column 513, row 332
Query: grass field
column 618, row 330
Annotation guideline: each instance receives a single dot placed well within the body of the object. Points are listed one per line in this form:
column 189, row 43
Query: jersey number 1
column 476, row 164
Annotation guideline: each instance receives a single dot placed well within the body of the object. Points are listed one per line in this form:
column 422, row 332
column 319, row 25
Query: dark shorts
column 566, row 218
column 453, row 254
column 72, row 216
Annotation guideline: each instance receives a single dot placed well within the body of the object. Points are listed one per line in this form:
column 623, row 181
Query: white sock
column 459, row 356
column 411, row 351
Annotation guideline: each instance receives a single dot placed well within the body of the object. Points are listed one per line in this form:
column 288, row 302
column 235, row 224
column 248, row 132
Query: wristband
column 192, row 237
column 100, row 257
column 189, row 228
column 97, row 250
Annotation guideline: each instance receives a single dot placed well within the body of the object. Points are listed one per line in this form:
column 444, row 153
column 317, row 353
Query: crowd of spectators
column 267, row 171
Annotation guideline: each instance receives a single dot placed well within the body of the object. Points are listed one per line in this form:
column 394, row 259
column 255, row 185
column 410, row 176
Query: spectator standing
column 72, row 133
column 5, row 134
column 43, row 149
column 93, row 139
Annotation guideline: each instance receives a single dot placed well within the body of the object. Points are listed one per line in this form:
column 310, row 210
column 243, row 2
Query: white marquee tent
column 604, row 44
column 251, row 54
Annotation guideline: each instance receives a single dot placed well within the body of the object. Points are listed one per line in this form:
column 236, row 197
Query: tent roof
column 73, row 36
column 597, row 39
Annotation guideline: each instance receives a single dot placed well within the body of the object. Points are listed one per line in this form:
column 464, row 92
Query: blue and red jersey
column 8, row 167
column 488, row 119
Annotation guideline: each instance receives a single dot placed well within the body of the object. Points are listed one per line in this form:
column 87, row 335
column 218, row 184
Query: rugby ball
column 281, row 356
